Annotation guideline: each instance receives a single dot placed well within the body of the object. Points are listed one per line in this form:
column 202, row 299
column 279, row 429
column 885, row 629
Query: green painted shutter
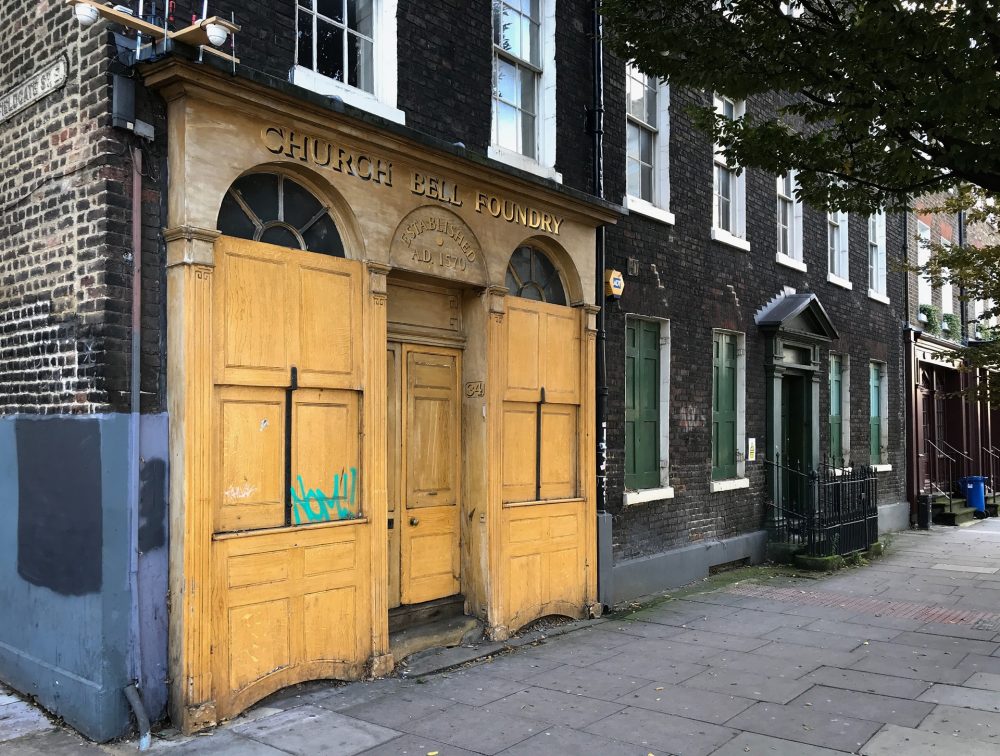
column 836, row 410
column 642, row 404
column 875, row 402
column 724, row 406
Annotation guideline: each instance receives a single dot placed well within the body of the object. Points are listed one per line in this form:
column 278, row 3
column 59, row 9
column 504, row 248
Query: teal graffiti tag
column 313, row 505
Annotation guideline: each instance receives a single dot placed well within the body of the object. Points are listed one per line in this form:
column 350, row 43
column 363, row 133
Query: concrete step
column 959, row 515
column 942, row 501
column 408, row 615
column 438, row 633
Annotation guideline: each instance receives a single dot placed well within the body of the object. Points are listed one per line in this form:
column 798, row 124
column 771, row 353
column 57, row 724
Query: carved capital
column 190, row 245
column 591, row 311
column 377, row 273
column 497, row 301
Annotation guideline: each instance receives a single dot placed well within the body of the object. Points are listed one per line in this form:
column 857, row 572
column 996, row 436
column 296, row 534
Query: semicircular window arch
column 276, row 209
column 532, row 275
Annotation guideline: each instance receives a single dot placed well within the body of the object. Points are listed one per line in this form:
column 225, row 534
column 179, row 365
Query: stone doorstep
column 441, row 660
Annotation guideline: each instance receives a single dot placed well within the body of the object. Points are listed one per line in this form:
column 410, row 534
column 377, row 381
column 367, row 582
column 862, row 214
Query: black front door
column 795, row 436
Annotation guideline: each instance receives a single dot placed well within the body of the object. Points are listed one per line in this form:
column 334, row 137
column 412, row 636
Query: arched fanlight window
column 272, row 208
column 531, row 274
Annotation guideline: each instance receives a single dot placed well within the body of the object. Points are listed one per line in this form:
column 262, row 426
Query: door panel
column 559, row 452
column 326, row 456
column 329, row 351
column 520, row 427
column 432, row 463
column 255, row 346
column 251, row 477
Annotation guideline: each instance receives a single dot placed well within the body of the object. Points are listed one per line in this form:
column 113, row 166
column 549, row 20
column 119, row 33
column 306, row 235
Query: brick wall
column 698, row 285
column 65, row 269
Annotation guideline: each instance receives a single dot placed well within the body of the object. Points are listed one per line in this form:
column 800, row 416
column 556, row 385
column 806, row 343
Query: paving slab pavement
column 900, row 657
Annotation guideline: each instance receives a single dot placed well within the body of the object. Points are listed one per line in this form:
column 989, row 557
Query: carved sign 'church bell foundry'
column 381, row 367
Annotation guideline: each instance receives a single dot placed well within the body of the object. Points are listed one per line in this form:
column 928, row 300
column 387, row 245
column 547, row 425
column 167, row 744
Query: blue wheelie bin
column 975, row 492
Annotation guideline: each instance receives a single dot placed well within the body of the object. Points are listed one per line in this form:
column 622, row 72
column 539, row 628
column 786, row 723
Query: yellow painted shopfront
column 380, row 382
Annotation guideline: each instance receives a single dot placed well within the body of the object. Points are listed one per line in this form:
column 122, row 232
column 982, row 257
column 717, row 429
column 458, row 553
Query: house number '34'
column 475, row 388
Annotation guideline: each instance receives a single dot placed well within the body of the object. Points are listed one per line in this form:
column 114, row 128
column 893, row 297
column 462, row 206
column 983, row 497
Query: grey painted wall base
column 65, row 519
column 605, row 559
column 633, row 578
column 893, row 517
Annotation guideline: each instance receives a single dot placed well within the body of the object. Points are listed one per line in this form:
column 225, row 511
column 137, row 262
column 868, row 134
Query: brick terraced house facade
column 297, row 348
column 951, row 434
column 707, row 268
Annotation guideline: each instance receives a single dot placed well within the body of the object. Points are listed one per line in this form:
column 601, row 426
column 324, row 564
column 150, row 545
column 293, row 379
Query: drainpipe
column 597, row 132
column 604, row 553
column 909, row 376
column 962, row 312
column 134, row 658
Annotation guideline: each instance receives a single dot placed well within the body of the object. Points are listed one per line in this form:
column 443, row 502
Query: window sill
column 733, row 484
column 790, row 262
column 872, row 294
column 306, row 78
column 517, row 160
column 647, row 494
column 642, row 207
column 725, row 237
column 882, row 468
column 838, row 471
column 838, row 281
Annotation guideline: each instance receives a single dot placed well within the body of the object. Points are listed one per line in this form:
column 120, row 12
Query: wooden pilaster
column 374, row 475
column 496, row 380
column 190, row 279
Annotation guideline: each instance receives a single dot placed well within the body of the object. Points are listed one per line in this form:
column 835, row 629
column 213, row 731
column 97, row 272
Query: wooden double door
column 424, row 463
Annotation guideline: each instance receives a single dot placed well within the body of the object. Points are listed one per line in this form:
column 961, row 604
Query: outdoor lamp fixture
column 87, row 15
column 216, row 33
column 207, row 33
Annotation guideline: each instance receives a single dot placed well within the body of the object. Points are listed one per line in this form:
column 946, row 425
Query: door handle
column 414, row 521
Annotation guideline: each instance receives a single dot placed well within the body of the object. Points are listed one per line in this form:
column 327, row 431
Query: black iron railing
column 827, row 511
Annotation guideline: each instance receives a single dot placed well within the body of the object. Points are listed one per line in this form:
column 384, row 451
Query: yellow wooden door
column 291, row 595
column 544, row 538
column 431, row 433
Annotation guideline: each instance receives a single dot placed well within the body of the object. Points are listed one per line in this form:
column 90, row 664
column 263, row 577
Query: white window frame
column 665, row 490
column 839, row 253
column 381, row 102
column 735, row 235
column 925, row 290
column 877, row 258
column 659, row 207
column 543, row 164
column 981, row 307
column 794, row 259
column 741, row 480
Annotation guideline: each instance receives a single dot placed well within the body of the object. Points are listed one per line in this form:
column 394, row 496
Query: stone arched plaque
column 436, row 242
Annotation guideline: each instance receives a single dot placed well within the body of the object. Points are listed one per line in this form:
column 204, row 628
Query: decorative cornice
column 190, row 233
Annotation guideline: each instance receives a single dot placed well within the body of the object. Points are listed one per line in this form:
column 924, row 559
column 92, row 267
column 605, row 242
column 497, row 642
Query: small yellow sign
column 614, row 283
